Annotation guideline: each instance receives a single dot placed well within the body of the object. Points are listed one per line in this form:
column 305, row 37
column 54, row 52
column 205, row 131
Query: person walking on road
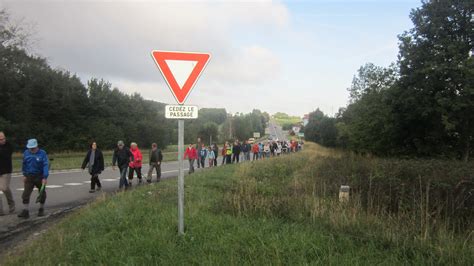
column 202, row 155
column 236, row 149
column 155, row 163
column 224, row 153
column 198, row 150
column 228, row 153
column 255, row 150
column 211, row 156
column 246, row 150
column 122, row 157
column 135, row 164
column 266, row 150
column 191, row 154
column 260, row 150
column 6, row 151
column 35, row 174
column 94, row 161
column 215, row 149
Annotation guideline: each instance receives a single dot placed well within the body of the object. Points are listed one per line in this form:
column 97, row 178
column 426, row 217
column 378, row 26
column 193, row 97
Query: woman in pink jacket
column 136, row 164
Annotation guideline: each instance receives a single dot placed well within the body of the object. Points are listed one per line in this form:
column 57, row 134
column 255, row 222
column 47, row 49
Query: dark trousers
column 95, row 181
column 236, row 157
column 191, row 166
column 228, row 159
column 255, row 156
column 123, row 176
column 215, row 161
column 138, row 170
column 202, row 160
column 30, row 183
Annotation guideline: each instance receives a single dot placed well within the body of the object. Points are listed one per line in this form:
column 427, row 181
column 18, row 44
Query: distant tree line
column 53, row 106
column 421, row 106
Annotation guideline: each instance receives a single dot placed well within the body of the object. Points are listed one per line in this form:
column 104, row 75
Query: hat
column 120, row 143
column 32, row 143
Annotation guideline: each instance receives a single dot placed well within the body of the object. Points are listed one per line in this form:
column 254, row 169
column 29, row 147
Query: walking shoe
column 92, row 191
column 130, row 183
column 99, row 189
column 148, row 181
column 140, row 181
column 41, row 212
column 11, row 209
column 24, row 214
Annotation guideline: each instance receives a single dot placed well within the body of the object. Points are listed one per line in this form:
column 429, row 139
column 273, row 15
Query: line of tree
column 421, row 106
column 53, row 106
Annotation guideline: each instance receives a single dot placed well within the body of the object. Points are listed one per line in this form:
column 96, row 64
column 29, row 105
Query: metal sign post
column 181, row 177
column 180, row 70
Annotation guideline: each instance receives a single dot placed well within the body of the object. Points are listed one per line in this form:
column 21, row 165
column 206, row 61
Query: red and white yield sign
column 181, row 70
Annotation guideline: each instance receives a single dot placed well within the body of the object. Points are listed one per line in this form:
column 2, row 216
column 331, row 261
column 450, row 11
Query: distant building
column 305, row 119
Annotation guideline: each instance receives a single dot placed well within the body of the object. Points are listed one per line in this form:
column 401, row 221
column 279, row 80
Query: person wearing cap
column 6, row 151
column 122, row 157
column 155, row 163
column 35, row 174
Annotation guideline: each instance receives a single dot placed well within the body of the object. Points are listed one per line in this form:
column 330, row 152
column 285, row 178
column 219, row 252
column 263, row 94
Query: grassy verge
column 278, row 211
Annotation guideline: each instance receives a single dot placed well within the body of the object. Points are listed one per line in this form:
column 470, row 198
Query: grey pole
column 180, row 177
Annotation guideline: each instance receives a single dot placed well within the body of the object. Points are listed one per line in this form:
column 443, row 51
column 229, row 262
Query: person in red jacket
column 136, row 164
column 255, row 150
column 191, row 154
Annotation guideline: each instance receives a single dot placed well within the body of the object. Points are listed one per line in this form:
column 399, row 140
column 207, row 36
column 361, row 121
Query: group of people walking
column 234, row 152
column 130, row 159
column 35, row 169
column 35, row 165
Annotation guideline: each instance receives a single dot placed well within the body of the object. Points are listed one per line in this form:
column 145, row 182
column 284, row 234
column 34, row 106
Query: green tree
column 435, row 98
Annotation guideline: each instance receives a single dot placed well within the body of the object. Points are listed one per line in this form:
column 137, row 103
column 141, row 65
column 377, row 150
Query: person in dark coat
column 6, row 151
column 236, row 151
column 122, row 157
column 94, row 160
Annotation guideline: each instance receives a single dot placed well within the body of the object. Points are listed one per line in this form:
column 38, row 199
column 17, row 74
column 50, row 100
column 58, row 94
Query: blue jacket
column 36, row 163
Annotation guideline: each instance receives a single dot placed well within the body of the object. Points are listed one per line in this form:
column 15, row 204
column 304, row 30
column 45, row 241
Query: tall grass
column 398, row 201
column 283, row 210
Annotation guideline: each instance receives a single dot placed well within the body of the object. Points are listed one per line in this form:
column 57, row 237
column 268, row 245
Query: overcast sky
column 281, row 56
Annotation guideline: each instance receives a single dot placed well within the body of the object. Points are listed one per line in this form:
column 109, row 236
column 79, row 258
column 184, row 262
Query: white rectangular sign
column 256, row 134
column 181, row 111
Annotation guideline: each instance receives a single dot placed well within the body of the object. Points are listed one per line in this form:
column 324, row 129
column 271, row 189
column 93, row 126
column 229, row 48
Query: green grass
column 73, row 160
column 262, row 213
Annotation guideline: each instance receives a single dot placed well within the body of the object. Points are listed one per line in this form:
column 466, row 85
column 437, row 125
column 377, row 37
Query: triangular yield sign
column 181, row 70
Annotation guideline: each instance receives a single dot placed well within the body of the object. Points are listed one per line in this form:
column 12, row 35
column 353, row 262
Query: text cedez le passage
column 181, row 111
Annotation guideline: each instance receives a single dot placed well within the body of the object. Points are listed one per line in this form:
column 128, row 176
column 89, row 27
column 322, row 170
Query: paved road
column 68, row 187
column 276, row 131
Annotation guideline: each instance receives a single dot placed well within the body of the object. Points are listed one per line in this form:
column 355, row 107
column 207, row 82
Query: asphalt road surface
column 68, row 187
column 276, row 131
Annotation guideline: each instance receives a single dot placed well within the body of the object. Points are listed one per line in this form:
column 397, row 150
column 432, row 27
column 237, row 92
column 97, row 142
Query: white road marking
column 47, row 186
column 73, row 184
column 87, row 182
column 110, row 179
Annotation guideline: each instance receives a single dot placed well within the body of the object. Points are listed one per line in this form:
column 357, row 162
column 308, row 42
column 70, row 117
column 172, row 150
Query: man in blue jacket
column 35, row 174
